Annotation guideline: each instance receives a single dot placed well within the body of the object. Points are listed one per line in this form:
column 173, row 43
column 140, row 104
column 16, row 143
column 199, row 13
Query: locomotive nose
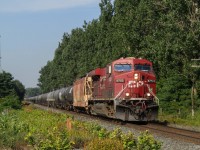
column 140, row 85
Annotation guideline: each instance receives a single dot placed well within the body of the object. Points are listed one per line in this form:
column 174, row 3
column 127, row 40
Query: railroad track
column 171, row 132
column 154, row 128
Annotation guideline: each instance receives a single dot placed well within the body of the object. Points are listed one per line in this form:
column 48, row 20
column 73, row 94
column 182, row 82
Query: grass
column 186, row 120
column 45, row 130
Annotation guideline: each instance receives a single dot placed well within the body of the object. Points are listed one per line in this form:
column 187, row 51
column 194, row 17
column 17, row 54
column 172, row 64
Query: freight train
column 125, row 89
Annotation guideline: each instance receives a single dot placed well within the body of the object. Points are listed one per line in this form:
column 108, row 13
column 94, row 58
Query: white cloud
column 40, row 5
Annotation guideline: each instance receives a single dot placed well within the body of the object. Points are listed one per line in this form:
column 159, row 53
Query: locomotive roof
column 133, row 60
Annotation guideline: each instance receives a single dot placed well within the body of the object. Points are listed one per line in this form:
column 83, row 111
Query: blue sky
column 31, row 30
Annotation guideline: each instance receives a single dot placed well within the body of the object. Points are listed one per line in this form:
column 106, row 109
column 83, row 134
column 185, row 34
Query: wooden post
column 69, row 124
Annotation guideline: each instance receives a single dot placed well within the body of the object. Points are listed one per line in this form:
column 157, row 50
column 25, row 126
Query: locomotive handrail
column 118, row 96
column 157, row 99
column 121, row 92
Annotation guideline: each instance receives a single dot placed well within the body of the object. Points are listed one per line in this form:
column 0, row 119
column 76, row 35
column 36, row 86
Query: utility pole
column 196, row 65
column 1, row 70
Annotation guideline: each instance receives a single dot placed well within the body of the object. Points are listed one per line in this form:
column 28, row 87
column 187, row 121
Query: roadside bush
column 12, row 130
column 117, row 140
column 147, row 142
column 47, row 130
column 10, row 102
column 105, row 144
column 83, row 132
column 54, row 139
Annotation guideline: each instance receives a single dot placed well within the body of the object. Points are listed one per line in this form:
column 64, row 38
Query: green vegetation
column 6, row 84
column 38, row 129
column 11, row 87
column 11, row 92
column 165, row 32
column 180, row 119
column 9, row 102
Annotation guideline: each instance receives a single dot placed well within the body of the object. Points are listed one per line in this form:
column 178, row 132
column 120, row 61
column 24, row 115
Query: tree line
column 166, row 32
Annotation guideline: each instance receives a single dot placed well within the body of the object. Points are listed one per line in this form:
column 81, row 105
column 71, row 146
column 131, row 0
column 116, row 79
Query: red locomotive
column 125, row 89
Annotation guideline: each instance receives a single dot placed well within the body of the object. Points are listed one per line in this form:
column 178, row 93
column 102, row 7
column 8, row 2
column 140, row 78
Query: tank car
column 62, row 98
column 125, row 89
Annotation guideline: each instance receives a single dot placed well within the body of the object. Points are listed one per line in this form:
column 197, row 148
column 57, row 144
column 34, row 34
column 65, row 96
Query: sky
column 30, row 31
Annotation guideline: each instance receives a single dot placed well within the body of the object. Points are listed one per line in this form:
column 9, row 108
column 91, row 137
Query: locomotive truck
column 125, row 89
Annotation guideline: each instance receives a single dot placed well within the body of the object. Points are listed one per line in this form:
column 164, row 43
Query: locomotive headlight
column 136, row 76
column 127, row 94
column 148, row 94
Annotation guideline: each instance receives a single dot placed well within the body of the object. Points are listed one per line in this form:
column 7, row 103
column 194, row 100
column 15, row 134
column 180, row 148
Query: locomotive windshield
column 123, row 67
column 143, row 67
